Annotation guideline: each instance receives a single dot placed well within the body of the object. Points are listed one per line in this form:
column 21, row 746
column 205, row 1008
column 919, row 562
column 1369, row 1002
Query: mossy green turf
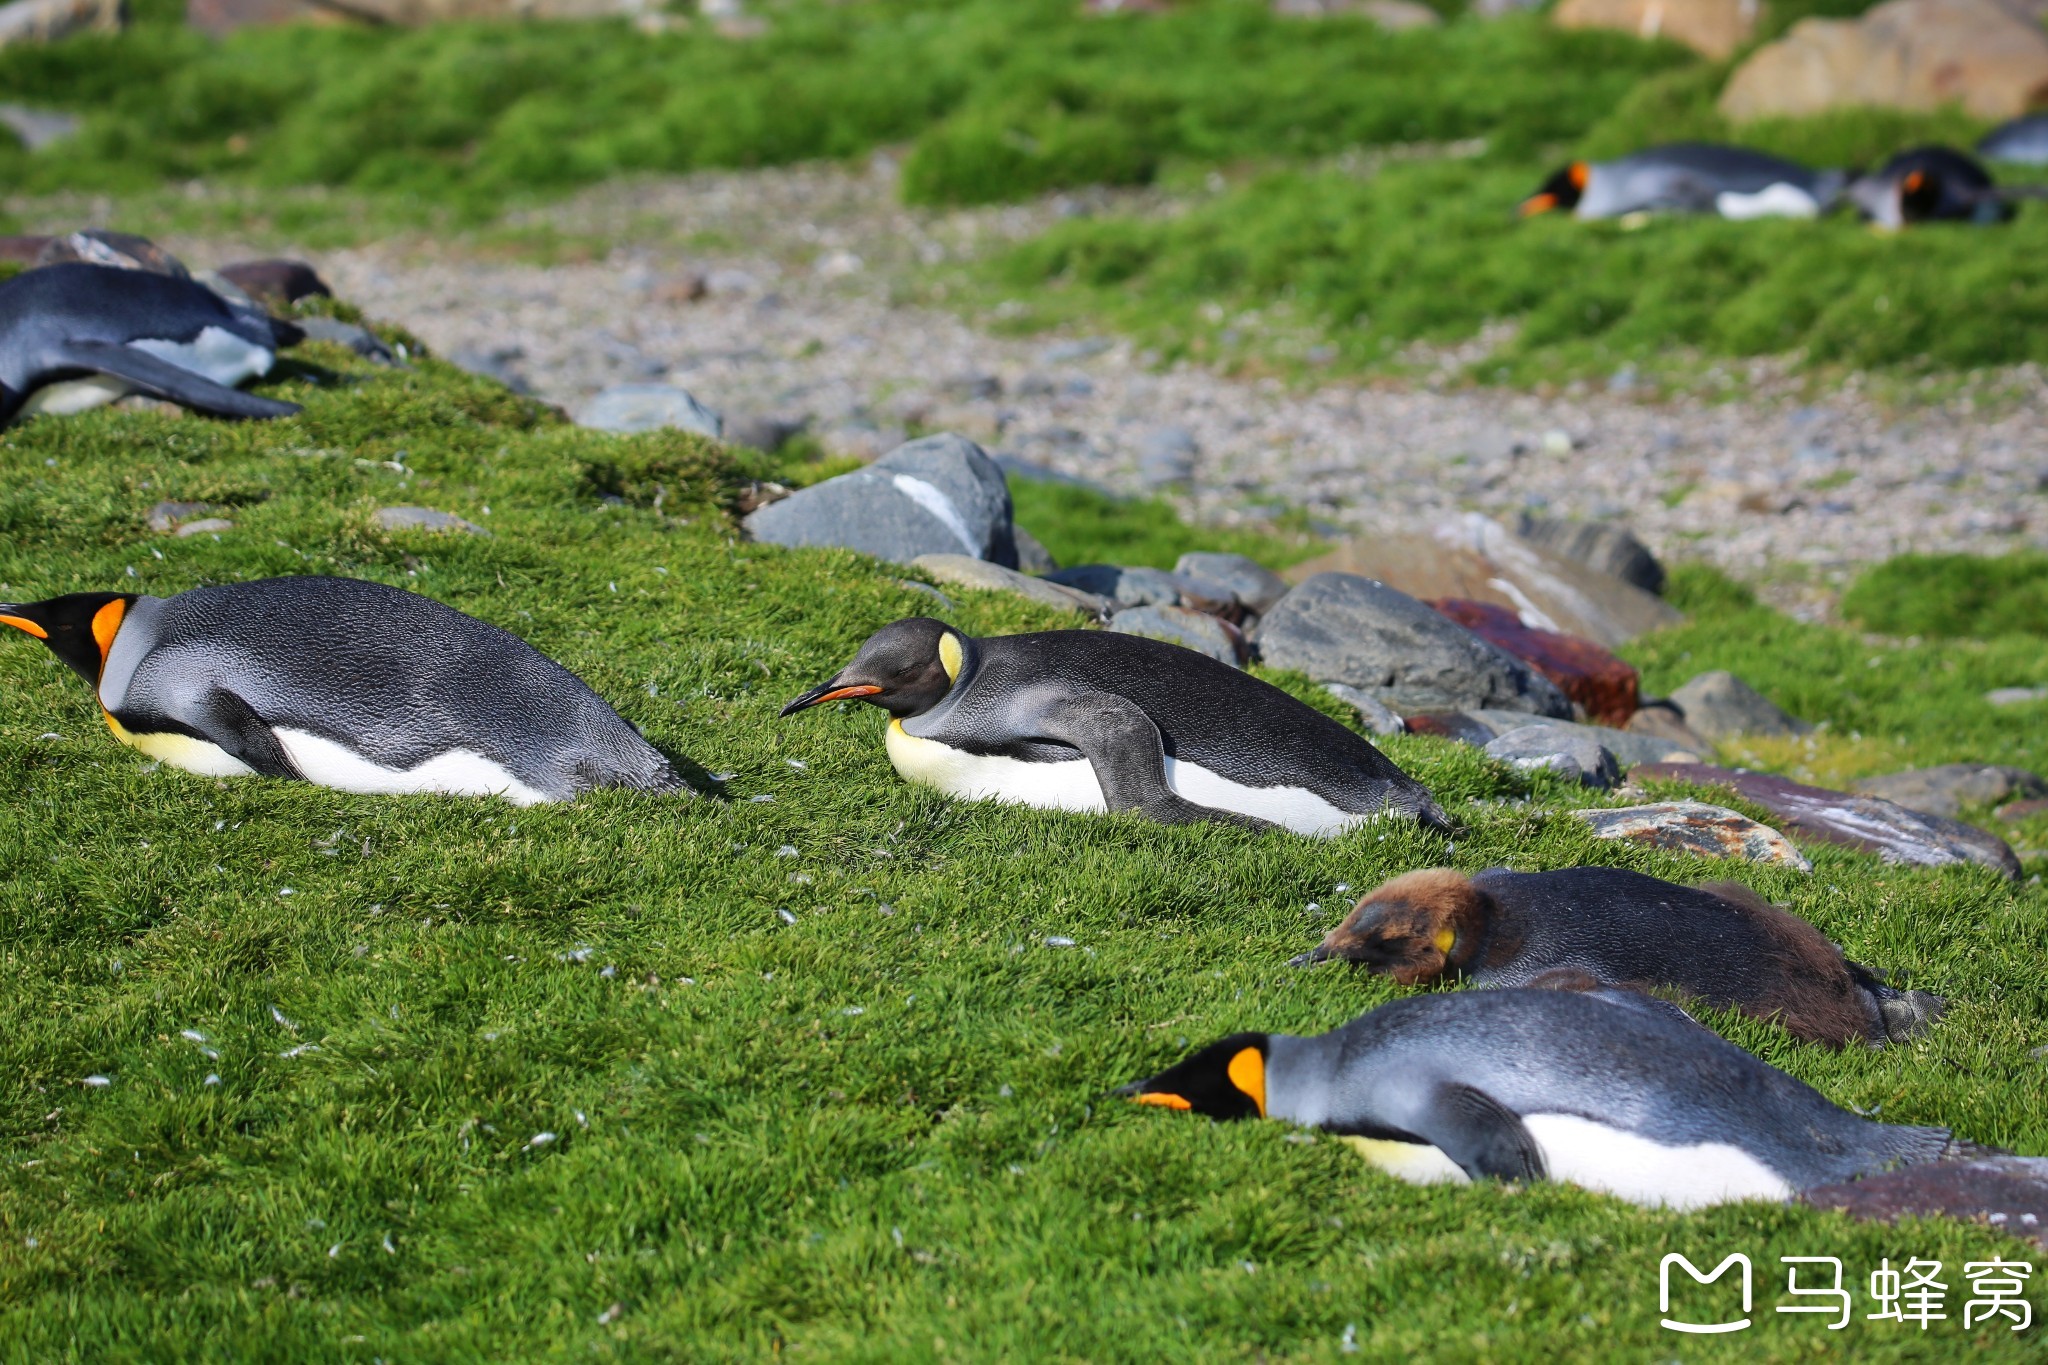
column 877, row 1133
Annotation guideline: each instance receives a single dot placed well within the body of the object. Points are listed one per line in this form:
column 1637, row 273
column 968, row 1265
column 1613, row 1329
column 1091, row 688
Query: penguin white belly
column 1294, row 808
column 1596, row 1157
column 1773, row 201
column 69, row 397
column 183, row 751
column 217, row 353
column 459, row 772
column 1418, row 1163
column 992, row 777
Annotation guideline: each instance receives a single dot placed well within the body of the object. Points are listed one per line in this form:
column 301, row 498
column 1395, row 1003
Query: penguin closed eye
column 1097, row 721
column 1719, row 944
column 1540, row 1084
column 75, row 336
column 344, row 684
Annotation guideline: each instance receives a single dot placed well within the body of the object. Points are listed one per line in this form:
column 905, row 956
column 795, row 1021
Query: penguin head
column 1414, row 928
column 1562, row 191
column 1225, row 1080
column 905, row 668
column 79, row 628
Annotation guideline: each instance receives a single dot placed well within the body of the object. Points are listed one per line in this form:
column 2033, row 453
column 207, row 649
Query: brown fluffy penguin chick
column 1720, row 944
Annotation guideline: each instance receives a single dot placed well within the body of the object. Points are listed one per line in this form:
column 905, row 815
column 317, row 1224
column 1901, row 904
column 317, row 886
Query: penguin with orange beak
column 1689, row 177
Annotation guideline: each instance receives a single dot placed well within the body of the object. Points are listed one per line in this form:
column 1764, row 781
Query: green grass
column 1944, row 596
column 1086, row 527
column 1000, row 98
column 879, row 1133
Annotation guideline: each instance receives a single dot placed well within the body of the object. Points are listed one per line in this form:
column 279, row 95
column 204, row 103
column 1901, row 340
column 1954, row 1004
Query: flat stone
column 165, row 516
column 1127, row 587
column 1190, row 629
column 2016, row 696
column 1374, row 715
column 1721, row 706
column 1603, row 546
column 205, row 526
column 1252, row 583
column 1480, row 560
column 1574, row 757
column 649, row 407
column 1166, row 457
column 1032, row 557
column 1067, row 352
column 2008, row 1194
column 1944, row 790
column 2023, row 810
column 1696, row 827
column 938, row 496
column 1343, row 628
column 965, row 571
column 1481, row 727
column 1604, row 685
column 1865, row 823
column 425, row 519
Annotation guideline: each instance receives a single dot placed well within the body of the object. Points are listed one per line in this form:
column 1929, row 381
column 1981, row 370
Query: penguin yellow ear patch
column 950, row 655
column 1445, row 937
column 1164, row 1101
column 105, row 622
column 23, row 624
column 1581, row 173
column 1247, row 1071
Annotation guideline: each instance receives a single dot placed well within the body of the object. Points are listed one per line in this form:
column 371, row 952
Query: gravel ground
column 784, row 294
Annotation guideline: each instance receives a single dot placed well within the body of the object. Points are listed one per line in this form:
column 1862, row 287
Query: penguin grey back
column 1691, row 177
column 393, row 676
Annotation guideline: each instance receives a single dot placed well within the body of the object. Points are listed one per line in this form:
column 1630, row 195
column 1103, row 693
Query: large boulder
column 1480, row 560
column 1593, row 677
column 1985, row 55
column 1865, row 823
column 1697, row 828
column 1572, row 756
column 1344, row 628
column 1251, row 582
column 1720, row 706
column 942, row 495
column 1714, row 28
column 1604, row 546
column 1189, row 629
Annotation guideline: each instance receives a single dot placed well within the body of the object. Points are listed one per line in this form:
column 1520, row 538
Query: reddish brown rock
column 22, row 250
column 1591, row 676
column 2009, row 1193
column 1892, row 832
column 2023, row 810
column 276, row 282
column 1698, row 828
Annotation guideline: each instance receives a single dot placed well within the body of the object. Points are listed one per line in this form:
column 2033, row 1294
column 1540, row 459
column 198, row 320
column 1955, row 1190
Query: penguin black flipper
column 1124, row 747
column 1479, row 1133
column 233, row 724
column 161, row 379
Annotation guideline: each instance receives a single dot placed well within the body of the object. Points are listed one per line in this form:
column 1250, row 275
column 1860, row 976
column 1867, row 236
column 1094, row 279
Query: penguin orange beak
column 8, row 617
column 1538, row 203
column 829, row 691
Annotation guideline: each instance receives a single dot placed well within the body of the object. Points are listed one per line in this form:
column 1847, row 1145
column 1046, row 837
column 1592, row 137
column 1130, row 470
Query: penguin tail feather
column 1962, row 1149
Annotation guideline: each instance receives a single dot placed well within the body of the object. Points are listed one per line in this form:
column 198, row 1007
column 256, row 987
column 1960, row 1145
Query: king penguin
column 344, row 684
column 1540, row 1084
column 1934, row 184
column 1088, row 720
column 1690, row 177
column 1720, row 944
column 75, row 336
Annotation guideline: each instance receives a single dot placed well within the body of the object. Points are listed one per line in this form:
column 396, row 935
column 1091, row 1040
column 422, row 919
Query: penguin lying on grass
column 1689, row 177
column 1720, row 944
column 75, row 336
column 1932, row 185
column 1091, row 720
column 344, row 684
column 1538, row 1084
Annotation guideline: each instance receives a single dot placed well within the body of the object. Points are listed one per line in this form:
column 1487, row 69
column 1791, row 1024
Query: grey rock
column 938, row 496
column 1659, row 719
column 1377, row 717
column 1946, row 789
column 1067, row 352
column 2015, row 696
column 1341, row 628
column 972, row 385
column 1720, row 706
column 1166, row 457
column 205, row 526
column 38, row 128
column 1482, row 727
column 650, row 407
column 1191, row 629
column 1553, row 748
column 355, row 337
column 425, row 519
column 965, row 571
column 1698, row 828
column 1127, row 587
column 1605, row 546
column 1253, row 584
column 497, row 363
column 1032, row 557
column 165, row 516
column 763, row 432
